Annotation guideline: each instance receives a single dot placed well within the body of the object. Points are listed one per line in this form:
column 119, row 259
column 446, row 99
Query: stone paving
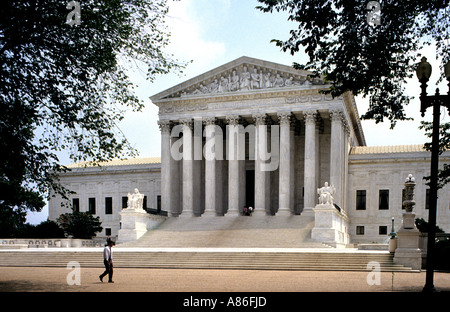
column 31, row 279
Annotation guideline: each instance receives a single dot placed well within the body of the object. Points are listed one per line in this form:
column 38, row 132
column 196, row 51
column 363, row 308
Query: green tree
column 356, row 55
column 423, row 226
column 80, row 224
column 64, row 87
column 45, row 229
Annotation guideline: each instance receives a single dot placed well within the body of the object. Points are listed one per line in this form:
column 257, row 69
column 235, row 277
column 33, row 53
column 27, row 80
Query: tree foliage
column 444, row 145
column 366, row 59
column 65, row 87
column 80, row 224
column 45, row 229
column 355, row 55
column 423, row 226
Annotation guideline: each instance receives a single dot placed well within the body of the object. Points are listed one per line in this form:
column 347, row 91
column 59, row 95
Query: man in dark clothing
column 108, row 261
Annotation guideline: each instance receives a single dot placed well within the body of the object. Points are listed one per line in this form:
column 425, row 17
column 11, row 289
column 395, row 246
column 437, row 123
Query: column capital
column 284, row 118
column 186, row 122
column 310, row 116
column 233, row 120
column 336, row 115
column 209, row 121
column 347, row 128
column 259, row 119
column 164, row 126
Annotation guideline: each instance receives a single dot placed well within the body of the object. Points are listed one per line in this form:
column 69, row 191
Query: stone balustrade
column 20, row 243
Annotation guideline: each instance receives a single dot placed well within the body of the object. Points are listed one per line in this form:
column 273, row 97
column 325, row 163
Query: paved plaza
column 45, row 279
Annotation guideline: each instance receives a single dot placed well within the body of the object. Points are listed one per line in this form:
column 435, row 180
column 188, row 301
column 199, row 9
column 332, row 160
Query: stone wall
column 377, row 171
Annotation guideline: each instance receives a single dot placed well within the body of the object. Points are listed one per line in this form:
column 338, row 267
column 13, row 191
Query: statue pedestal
column 135, row 223
column 408, row 252
column 330, row 226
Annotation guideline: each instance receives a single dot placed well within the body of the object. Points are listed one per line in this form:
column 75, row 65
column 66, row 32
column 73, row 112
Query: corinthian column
column 337, row 154
column 262, row 190
column 164, row 126
column 236, row 166
column 188, row 168
column 213, row 168
column 285, row 170
column 310, row 161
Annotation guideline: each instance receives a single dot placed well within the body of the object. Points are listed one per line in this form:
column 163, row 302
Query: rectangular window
column 382, row 230
column 403, row 198
column 144, row 203
column 92, row 205
column 158, row 203
column 108, row 205
column 359, row 230
column 361, row 200
column 427, row 199
column 383, row 200
column 76, row 204
column 124, row 202
column 108, row 231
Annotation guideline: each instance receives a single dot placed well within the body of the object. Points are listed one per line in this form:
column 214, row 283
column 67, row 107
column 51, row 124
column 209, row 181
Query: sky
column 211, row 33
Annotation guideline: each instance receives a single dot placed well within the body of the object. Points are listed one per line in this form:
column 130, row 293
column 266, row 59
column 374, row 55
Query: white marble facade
column 260, row 108
column 261, row 134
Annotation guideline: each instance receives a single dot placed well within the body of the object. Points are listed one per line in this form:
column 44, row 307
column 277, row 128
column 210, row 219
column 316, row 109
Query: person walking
column 108, row 261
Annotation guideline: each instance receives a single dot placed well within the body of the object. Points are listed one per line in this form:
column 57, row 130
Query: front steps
column 257, row 231
column 210, row 242
column 243, row 259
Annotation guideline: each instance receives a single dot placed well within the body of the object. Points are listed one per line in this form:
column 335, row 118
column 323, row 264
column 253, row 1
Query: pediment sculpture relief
column 245, row 79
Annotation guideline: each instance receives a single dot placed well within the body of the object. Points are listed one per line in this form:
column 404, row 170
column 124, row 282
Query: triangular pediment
column 242, row 75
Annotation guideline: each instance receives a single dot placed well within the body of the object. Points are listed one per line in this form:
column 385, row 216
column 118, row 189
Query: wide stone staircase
column 232, row 232
column 204, row 259
column 208, row 242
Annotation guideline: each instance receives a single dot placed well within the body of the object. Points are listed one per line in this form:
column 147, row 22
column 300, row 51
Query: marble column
column 336, row 154
column 285, row 170
column 292, row 176
column 262, row 191
column 188, row 168
column 236, row 157
column 174, row 164
column 310, row 188
column 213, row 168
column 198, row 171
column 166, row 182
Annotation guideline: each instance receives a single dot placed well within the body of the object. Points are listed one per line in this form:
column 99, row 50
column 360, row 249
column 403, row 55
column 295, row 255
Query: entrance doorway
column 250, row 188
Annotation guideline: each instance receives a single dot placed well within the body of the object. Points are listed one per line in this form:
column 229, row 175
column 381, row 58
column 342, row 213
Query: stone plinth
column 408, row 252
column 330, row 226
column 135, row 223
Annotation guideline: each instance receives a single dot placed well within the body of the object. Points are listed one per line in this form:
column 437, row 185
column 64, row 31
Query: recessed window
column 108, row 231
column 91, row 203
column 359, row 230
column 76, row 204
column 361, row 200
column 124, row 202
column 383, row 199
column 158, row 203
column 382, row 230
column 403, row 198
column 108, row 205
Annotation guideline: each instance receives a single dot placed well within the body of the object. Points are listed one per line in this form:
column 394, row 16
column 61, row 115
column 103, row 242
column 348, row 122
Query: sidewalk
column 31, row 279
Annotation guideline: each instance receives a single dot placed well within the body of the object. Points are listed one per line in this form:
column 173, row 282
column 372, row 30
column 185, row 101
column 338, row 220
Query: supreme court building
column 255, row 133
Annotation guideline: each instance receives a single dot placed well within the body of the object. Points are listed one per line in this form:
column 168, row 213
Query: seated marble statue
column 325, row 194
column 135, row 200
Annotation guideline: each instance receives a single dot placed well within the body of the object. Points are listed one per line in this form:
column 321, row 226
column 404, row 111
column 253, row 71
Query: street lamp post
column 423, row 73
